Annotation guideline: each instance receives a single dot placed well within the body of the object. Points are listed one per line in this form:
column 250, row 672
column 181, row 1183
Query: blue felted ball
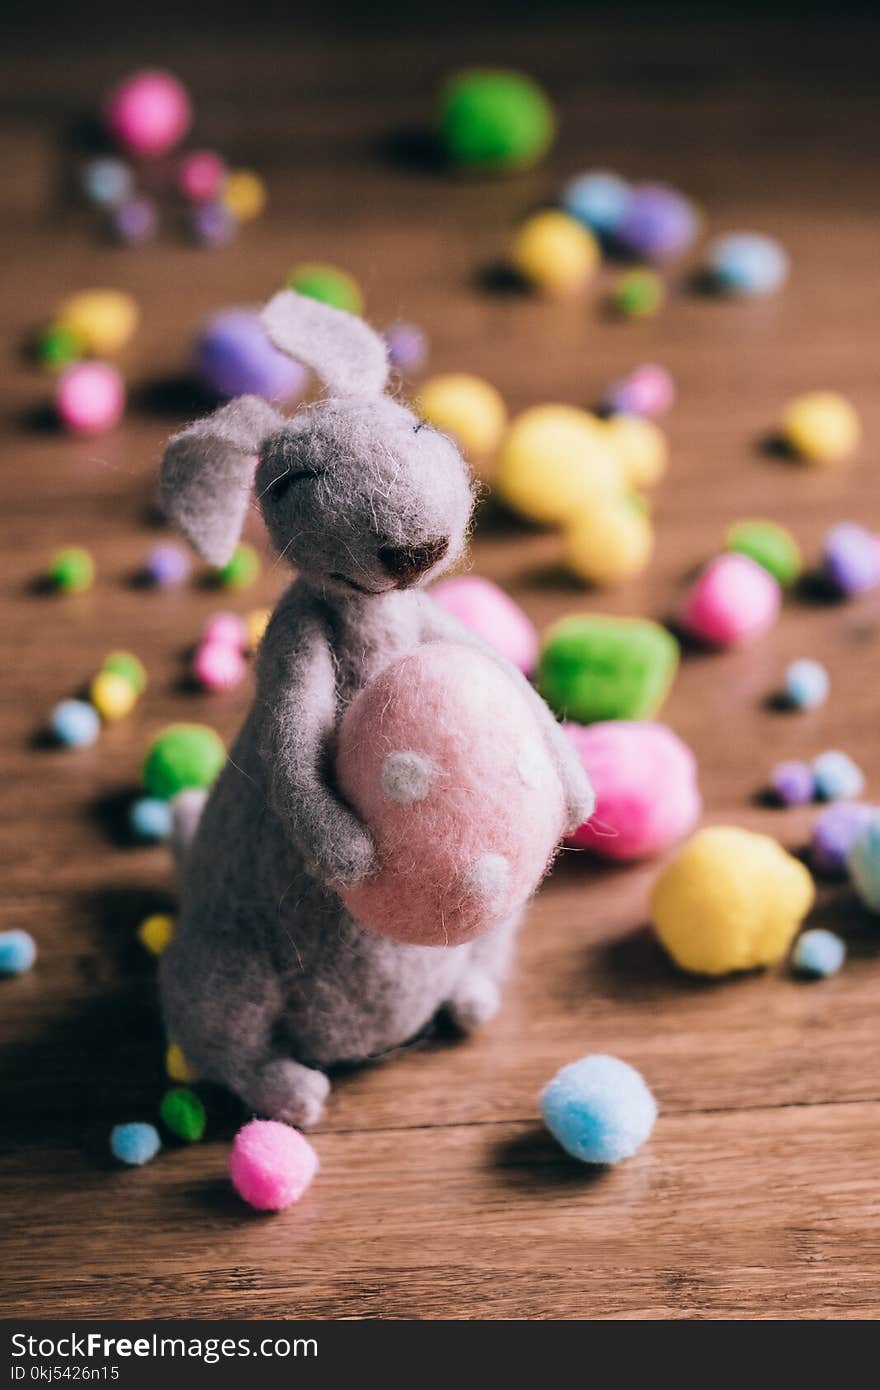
column 18, row 951
column 837, row 777
column 818, row 952
column 806, row 684
column 150, row 818
column 75, row 723
column 863, row 862
column 747, row 263
column 135, row 1143
column 234, row 357
column 107, row 181
column 597, row 199
column 599, row 1109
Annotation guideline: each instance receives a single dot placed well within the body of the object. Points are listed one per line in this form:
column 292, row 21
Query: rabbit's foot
column 475, row 1000
column 286, row 1090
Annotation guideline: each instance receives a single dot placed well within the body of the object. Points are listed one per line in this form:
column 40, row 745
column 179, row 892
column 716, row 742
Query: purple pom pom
column 234, row 357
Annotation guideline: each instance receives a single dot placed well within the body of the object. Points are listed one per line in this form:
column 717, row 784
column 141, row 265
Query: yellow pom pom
column 821, row 427
column 156, row 932
column 554, row 462
column 640, row 447
column 177, row 1067
column 244, row 195
column 555, row 253
column 256, row 623
column 102, row 320
column 610, row 542
column 466, row 407
column 730, row 900
column 112, row 695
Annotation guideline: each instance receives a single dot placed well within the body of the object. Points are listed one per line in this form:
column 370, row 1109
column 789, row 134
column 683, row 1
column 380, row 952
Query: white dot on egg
column 487, row 875
column 406, row 777
column 530, row 765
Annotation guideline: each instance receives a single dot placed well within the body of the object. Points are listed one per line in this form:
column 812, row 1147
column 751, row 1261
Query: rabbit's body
column 269, row 978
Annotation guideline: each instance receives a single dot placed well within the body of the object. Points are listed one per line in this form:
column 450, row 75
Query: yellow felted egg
column 156, row 932
column 176, row 1065
column 101, row 320
column 256, row 623
column 640, row 447
column 610, row 542
column 244, row 195
column 555, row 253
column 555, row 461
column 466, row 407
column 730, row 900
column 112, row 695
column 821, row 427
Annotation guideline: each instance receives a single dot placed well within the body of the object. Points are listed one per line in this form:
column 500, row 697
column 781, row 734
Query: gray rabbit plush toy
column 269, row 980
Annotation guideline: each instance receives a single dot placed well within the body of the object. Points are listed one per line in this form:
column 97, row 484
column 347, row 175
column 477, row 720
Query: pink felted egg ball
column 90, row 398
column 645, row 780
column 491, row 614
column 226, row 628
column 271, row 1164
column 443, row 760
column 201, row 175
column 148, row 113
column 218, row 665
column 733, row 600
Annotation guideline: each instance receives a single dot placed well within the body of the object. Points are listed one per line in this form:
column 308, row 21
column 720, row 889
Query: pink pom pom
column 271, row 1165
column 90, row 398
column 491, row 614
column 200, row 176
column 443, row 760
column 733, row 600
column 217, row 666
column 226, row 628
column 148, row 113
column 645, row 780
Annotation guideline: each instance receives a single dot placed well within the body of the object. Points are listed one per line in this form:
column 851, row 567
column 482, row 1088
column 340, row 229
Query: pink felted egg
column 645, row 780
column 733, row 600
column 491, row 614
column 218, row 665
column 271, row 1164
column 443, row 760
column 90, row 398
column 148, row 112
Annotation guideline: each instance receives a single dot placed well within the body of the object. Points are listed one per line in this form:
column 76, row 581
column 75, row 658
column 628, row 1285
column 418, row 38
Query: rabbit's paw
column 286, row 1090
column 348, row 861
column 476, row 1000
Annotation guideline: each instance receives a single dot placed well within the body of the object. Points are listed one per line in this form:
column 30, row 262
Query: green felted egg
column 327, row 284
column 183, row 755
column 769, row 545
column 183, row 1113
column 127, row 665
column 72, row 570
column 494, row 120
column 594, row 667
column 241, row 570
column 58, row 347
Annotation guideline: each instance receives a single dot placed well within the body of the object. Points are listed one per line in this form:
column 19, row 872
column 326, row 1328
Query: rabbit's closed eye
column 279, row 486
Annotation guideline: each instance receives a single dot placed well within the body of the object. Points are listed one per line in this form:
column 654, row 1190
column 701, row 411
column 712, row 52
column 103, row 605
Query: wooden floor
column 439, row 1195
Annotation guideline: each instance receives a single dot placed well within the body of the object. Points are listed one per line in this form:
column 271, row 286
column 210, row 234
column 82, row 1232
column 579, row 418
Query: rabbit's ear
column 348, row 356
column 207, row 471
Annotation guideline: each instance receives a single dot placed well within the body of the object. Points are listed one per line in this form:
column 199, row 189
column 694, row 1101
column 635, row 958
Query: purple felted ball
column 136, row 221
column 648, row 391
column 659, row 222
column 407, row 347
column 167, row 564
column 234, row 357
column 851, row 558
column 793, row 783
column 835, row 831
column 213, row 225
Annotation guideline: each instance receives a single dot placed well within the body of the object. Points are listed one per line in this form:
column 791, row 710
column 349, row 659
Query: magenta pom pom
column 201, row 175
column 90, row 398
column 734, row 600
column 148, row 113
column 218, row 666
column 489, row 612
column 226, row 628
column 271, row 1165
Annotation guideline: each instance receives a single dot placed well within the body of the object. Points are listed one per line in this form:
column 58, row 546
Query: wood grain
column 438, row 1195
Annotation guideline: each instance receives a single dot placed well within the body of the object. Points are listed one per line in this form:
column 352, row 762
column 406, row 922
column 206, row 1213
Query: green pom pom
column 594, row 667
column 638, row 294
column 769, row 545
column 241, row 570
column 72, row 570
column 184, row 1114
column 183, row 755
column 126, row 665
column 329, row 285
column 495, row 120
column 59, row 348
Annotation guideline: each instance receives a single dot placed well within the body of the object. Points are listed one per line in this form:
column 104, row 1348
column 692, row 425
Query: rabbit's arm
column 298, row 713
column 438, row 625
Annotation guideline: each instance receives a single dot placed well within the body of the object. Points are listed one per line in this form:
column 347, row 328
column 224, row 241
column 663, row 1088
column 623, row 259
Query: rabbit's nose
column 407, row 562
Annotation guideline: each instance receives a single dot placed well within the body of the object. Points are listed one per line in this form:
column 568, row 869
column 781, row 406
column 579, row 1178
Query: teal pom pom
column 18, row 951
column 135, row 1143
column 818, row 953
column 599, row 1109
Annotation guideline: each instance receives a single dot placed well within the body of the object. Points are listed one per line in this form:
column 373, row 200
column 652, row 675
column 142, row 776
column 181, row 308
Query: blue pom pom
column 18, row 951
column 107, row 181
column 135, row 1143
column 150, row 818
column 863, row 862
column 806, row 684
column 75, row 723
column 599, row 1109
column 837, row 776
column 597, row 199
column 748, row 263
column 818, row 952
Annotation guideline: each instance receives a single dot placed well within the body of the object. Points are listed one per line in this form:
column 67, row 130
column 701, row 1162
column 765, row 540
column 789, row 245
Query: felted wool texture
column 444, row 762
column 348, row 356
column 645, row 779
column 205, row 484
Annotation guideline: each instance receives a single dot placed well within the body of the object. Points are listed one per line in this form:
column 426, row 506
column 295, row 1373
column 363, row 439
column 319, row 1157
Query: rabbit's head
column 357, row 493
